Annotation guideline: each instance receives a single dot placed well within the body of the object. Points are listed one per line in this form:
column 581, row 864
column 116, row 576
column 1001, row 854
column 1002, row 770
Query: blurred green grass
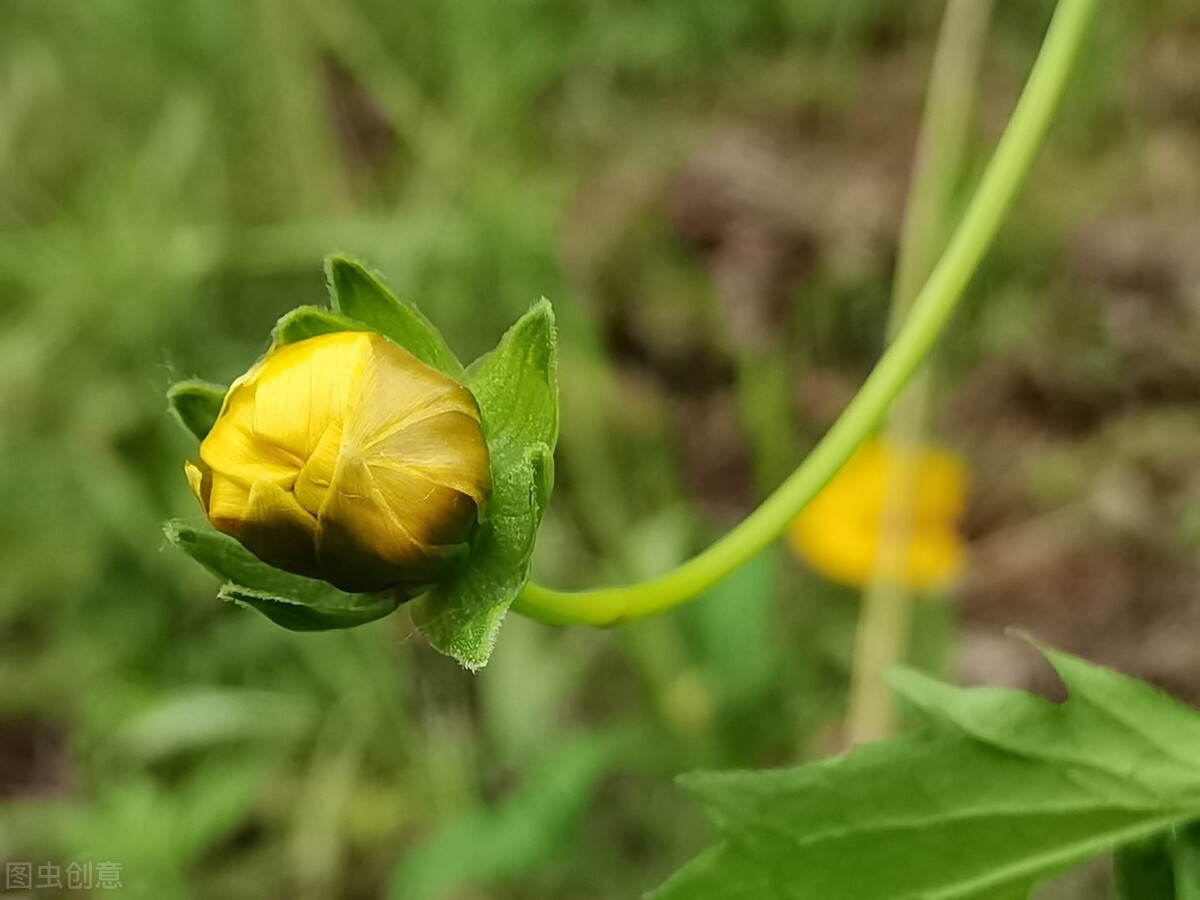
column 170, row 176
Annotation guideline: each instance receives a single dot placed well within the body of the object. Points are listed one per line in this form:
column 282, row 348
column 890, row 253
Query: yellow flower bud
column 343, row 457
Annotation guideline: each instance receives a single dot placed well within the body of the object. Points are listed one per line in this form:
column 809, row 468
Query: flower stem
column 930, row 312
column 885, row 621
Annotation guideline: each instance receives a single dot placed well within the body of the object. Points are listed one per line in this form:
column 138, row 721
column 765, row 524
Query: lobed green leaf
column 999, row 791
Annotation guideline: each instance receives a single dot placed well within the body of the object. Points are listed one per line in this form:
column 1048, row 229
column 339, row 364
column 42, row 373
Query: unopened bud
column 343, row 457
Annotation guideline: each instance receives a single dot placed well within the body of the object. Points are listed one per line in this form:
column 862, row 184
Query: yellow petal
column 318, row 472
column 277, row 530
column 841, row 552
column 934, row 558
column 344, row 456
column 939, row 477
column 239, row 456
column 233, row 448
column 860, row 482
column 199, row 478
column 445, row 449
column 227, row 501
column 838, row 534
column 394, row 390
column 433, row 513
column 362, row 545
column 306, row 386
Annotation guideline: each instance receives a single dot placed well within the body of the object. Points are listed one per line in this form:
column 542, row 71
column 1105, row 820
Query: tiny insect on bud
column 343, row 457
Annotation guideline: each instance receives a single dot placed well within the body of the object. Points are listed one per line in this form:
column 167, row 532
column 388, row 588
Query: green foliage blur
column 171, row 175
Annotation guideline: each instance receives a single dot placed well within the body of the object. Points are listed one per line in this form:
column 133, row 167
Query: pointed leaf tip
column 196, row 405
column 516, row 384
column 360, row 293
column 305, row 322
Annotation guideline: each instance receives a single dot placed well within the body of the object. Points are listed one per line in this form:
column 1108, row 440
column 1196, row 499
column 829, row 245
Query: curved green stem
column 930, row 312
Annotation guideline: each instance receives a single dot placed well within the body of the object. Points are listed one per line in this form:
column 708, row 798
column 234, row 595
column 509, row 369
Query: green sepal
column 357, row 609
column 309, row 321
column 293, row 601
column 516, row 388
column 359, row 293
column 196, row 405
column 461, row 616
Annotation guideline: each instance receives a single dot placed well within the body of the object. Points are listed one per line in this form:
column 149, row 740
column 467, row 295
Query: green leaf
column 1117, row 732
column 997, row 792
column 309, row 321
column 196, row 405
column 358, row 292
column 517, row 392
column 293, row 601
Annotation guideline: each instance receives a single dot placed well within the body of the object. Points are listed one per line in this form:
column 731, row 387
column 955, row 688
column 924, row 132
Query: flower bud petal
column 302, row 388
column 199, row 478
column 318, row 472
column 367, row 531
column 437, row 449
column 275, row 528
column 345, row 458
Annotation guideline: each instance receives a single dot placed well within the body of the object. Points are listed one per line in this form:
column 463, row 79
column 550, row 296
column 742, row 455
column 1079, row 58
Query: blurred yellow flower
column 343, row 457
column 838, row 533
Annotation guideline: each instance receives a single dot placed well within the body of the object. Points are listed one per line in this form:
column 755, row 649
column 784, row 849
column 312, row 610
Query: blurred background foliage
column 709, row 193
